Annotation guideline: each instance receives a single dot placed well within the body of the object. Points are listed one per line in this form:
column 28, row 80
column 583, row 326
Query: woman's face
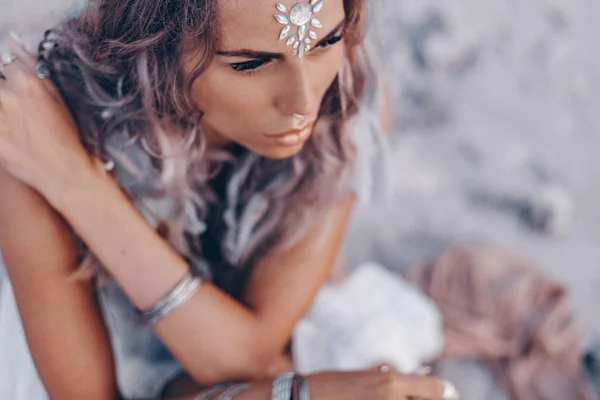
column 255, row 85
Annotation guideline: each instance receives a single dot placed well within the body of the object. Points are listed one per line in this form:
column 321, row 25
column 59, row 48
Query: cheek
column 326, row 69
column 241, row 105
column 227, row 103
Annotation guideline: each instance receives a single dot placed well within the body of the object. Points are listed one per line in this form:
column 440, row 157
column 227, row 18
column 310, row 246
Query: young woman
column 201, row 159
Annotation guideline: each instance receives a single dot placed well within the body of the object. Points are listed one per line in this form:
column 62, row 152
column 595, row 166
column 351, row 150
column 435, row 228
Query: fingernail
column 450, row 391
column 426, row 370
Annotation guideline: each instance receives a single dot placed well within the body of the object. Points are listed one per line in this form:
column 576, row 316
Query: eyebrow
column 245, row 53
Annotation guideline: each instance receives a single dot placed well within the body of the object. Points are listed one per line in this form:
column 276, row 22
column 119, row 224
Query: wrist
column 62, row 191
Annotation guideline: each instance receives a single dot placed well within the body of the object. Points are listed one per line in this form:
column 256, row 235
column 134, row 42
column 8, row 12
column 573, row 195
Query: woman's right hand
column 374, row 385
column 39, row 139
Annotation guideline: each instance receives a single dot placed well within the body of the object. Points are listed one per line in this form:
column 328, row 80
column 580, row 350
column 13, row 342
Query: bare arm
column 213, row 336
column 61, row 320
column 284, row 284
column 66, row 311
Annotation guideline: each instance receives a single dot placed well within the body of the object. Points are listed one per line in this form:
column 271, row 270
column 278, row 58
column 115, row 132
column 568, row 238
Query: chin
column 280, row 152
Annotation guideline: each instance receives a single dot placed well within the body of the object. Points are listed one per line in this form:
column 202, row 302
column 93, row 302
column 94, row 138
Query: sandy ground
column 495, row 136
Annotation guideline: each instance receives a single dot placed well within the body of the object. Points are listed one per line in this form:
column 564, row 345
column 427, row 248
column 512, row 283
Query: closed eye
column 330, row 41
column 251, row 65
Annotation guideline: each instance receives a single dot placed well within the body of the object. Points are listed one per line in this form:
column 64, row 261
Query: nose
column 296, row 95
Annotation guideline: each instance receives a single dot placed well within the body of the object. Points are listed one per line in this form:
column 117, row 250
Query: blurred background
column 496, row 135
column 495, row 139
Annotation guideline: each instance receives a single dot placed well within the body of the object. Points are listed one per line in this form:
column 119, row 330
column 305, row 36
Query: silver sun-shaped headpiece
column 302, row 16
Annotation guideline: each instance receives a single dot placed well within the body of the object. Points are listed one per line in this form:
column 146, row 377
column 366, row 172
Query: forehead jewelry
column 302, row 16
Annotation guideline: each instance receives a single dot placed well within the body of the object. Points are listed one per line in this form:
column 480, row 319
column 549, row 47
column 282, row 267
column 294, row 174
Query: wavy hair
column 119, row 68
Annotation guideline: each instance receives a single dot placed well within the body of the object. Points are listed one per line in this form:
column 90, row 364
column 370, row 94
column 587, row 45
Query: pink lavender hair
column 118, row 66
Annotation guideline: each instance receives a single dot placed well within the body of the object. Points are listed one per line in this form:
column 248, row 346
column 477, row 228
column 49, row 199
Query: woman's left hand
column 39, row 140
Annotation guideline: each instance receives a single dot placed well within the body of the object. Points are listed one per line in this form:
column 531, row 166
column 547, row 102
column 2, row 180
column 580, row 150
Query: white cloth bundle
column 373, row 317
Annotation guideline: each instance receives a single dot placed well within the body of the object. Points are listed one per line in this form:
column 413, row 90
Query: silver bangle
column 210, row 393
column 233, row 391
column 303, row 388
column 181, row 293
column 282, row 386
column 223, row 391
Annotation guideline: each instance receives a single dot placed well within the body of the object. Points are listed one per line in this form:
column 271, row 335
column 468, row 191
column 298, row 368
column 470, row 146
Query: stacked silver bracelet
column 303, row 389
column 283, row 387
column 233, row 391
column 181, row 293
column 210, row 393
column 226, row 391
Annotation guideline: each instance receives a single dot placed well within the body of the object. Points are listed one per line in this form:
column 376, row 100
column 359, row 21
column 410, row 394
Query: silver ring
column 450, row 391
column 384, row 368
column 8, row 59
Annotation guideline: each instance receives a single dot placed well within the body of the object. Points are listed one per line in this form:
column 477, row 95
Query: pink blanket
column 501, row 308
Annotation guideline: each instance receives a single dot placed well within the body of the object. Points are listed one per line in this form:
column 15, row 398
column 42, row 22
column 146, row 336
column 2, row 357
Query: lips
column 290, row 132
column 281, row 135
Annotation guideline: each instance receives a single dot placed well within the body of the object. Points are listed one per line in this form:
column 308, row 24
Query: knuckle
column 388, row 386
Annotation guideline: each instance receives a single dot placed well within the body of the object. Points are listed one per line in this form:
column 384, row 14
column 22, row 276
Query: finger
column 24, row 57
column 384, row 368
column 20, row 68
column 421, row 387
column 29, row 62
column 425, row 370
